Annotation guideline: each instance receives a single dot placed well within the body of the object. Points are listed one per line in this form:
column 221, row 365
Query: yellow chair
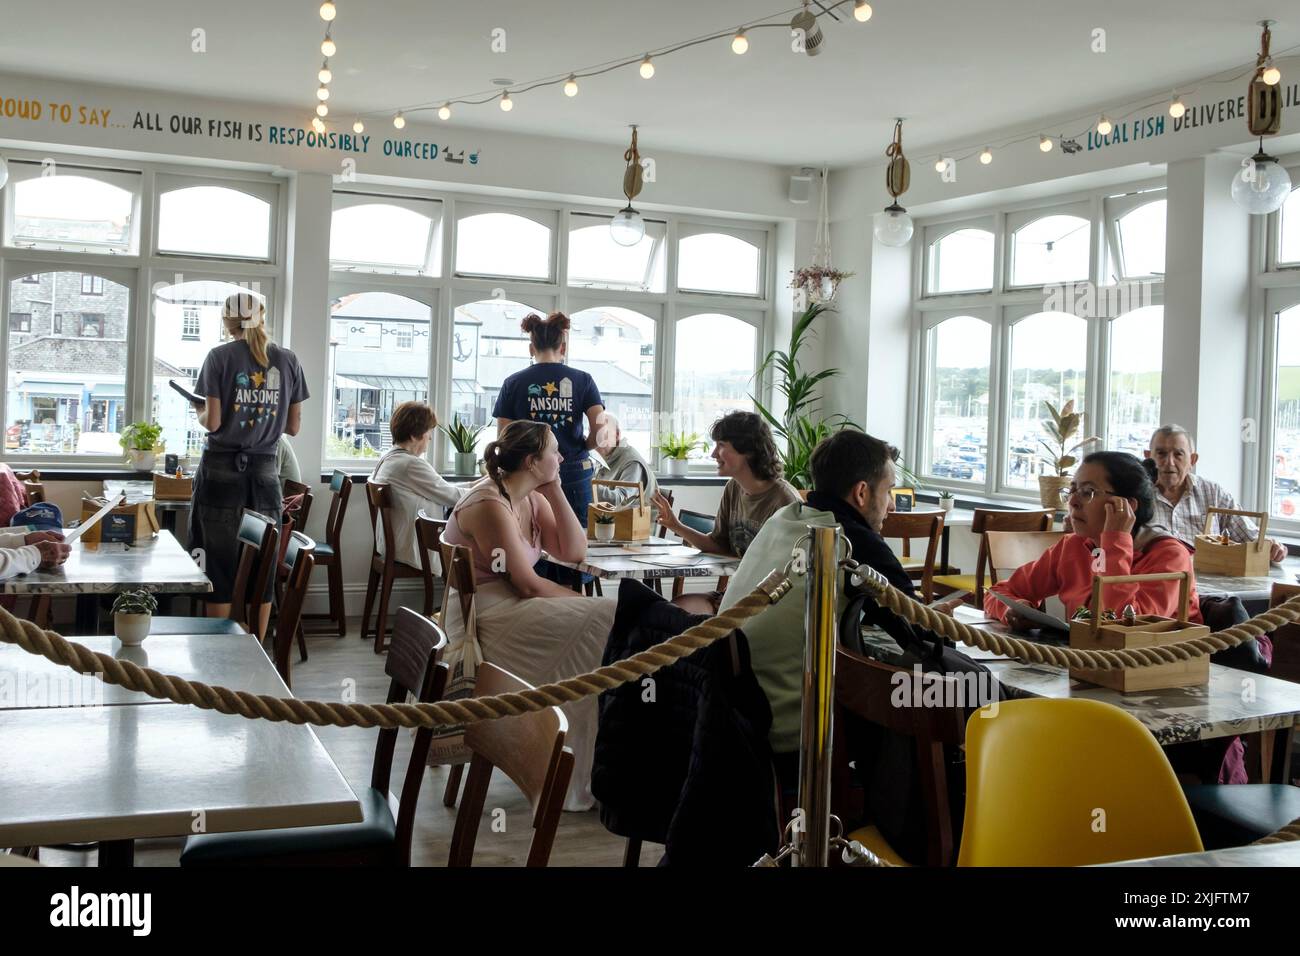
column 1068, row 783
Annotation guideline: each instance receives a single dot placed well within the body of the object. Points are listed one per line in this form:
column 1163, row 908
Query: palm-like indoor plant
column 464, row 439
column 800, row 427
column 142, row 442
column 675, row 447
column 1062, row 426
column 132, row 614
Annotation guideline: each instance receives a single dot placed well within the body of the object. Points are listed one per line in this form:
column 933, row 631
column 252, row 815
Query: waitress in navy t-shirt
column 561, row 396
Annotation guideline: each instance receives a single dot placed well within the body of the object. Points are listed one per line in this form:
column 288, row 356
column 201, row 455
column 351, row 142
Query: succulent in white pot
column 604, row 526
column 946, row 500
column 132, row 615
column 464, row 439
column 675, row 448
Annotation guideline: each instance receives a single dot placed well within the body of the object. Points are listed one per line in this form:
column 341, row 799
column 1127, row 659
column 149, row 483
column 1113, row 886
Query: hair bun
column 531, row 321
column 559, row 320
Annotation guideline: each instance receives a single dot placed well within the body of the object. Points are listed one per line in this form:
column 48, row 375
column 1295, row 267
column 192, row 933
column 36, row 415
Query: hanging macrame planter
column 820, row 281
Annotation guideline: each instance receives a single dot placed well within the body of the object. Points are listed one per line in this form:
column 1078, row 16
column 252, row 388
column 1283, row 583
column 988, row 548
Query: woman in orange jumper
column 1110, row 504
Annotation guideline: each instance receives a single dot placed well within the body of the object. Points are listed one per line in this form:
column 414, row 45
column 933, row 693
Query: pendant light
column 893, row 226
column 1262, row 184
column 627, row 228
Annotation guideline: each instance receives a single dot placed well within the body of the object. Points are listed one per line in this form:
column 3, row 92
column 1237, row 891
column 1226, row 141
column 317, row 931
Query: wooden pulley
column 1264, row 102
column 898, row 174
column 633, row 176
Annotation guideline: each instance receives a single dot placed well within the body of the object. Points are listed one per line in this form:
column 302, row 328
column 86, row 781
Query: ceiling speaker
column 801, row 185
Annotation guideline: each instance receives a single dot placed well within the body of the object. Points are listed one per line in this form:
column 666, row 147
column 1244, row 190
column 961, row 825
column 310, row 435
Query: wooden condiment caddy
column 1148, row 630
column 170, row 488
column 1234, row 559
column 631, row 521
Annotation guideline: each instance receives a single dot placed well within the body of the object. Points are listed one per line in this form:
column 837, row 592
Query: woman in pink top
column 536, row 629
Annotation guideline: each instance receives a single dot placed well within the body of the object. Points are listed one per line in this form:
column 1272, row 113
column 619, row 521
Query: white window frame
column 929, row 325
column 1116, row 208
column 26, row 167
column 548, row 218
column 1274, row 231
column 267, row 191
column 431, row 209
column 759, row 238
column 931, row 236
column 1016, row 221
column 660, row 248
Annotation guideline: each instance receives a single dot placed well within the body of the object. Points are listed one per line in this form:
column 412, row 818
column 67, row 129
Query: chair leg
column 381, row 618
column 302, row 644
column 452, row 790
column 632, row 853
column 338, row 610
column 372, row 584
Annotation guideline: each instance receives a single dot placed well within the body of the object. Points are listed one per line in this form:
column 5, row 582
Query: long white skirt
column 546, row 639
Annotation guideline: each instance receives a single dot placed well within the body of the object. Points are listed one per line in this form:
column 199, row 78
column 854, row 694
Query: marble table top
column 1249, row 589
column 1233, row 702
column 656, row 558
column 236, row 661
column 1275, row 854
column 129, row 772
column 160, row 564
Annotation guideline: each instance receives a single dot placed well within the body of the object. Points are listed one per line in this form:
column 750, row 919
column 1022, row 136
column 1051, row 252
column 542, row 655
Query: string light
column 358, row 127
column 444, row 111
column 399, row 120
column 1271, row 75
column 1104, row 126
column 1177, row 108
column 740, row 42
column 322, row 109
column 324, row 75
column 328, row 11
column 1045, row 144
column 940, row 165
column 317, row 125
column 328, row 47
column 323, row 93
column 861, row 11
column 986, row 156
column 647, row 68
column 570, row 87
column 507, row 104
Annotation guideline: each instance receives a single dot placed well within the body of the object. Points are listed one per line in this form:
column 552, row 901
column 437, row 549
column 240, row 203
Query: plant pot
column 1049, row 490
column 605, row 532
column 142, row 460
column 675, row 467
column 946, row 504
column 131, row 629
column 466, row 463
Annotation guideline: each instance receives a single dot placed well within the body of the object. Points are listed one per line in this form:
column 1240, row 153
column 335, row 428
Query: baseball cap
column 42, row 516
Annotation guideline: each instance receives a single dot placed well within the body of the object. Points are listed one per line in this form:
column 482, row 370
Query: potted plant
column 604, row 525
column 132, row 614
column 675, row 447
column 142, row 442
column 1060, row 458
column 464, row 439
column 799, row 428
column 819, row 283
column 946, row 500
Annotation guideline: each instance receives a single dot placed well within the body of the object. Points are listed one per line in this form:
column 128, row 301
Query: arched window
column 713, row 371
column 960, row 261
column 384, row 235
column 1142, row 240
column 1136, row 357
column 616, row 347
column 711, row 261
column 1050, row 249
column 214, row 221
column 596, row 261
column 487, row 347
column 958, row 403
column 1288, row 250
column 72, row 211
column 1049, row 354
column 503, row 244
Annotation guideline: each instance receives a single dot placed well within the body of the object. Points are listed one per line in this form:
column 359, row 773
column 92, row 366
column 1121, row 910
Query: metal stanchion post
column 820, row 605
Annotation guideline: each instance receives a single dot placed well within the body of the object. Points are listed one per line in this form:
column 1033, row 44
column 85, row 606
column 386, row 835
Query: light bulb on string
column 940, row 165
column 322, row 109
column 986, row 156
column 325, row 75
column 1177, row 107
column 328, row 11
column 444, row 111
column 399, row 120
column 571, row 86
column 323, row 93
column 1104, row 126
column 328, row 47
column 507, row 104
column 740, row 42
column 861, row 11
column 1045, row 144
column 358, row 127
column 647, row 68
column 1271, row 75
column 317, row 125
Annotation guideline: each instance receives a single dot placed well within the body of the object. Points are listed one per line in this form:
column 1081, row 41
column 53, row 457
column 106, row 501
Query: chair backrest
column 1286, row 639
column 457, row 578
column 32, row 485
column 380, row 500
column 258, row 540
column 870, row 690
column 297, row 488
column 927, row 525
column 528, row 749
column 985, row 519
column 1009, row 550
column 428, row 536
column 698, row 520
column 340, row 491
column 299, row 558
column 1068, row 783
column 414, row 663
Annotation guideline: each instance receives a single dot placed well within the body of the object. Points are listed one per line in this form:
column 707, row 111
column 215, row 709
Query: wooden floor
column 581, row 840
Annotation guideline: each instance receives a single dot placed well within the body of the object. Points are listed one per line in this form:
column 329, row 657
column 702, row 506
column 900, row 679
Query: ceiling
column 955, row 68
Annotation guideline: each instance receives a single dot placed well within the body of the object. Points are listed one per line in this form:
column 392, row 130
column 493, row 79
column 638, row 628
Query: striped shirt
column 1186, row 519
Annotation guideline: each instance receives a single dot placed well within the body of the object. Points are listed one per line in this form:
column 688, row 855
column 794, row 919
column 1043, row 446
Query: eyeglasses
column 1086, row 495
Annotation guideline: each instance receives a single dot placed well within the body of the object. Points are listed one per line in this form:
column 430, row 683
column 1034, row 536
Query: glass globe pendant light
column 1262, row 184
column 627, row 228
column 893, row 226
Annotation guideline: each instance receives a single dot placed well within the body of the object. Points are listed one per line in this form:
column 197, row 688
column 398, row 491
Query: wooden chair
column 1009, row 550
column 927, row 525
column 383, row 837
column 703, row 523
column 985, row 520
column 1286, row 639
column 297, row 489
column 458, row 579
column 32, row 484
column 866, row 689
column 298, row 558
column 329, row 553
column 528, row 749
column 258, row 538
column 384, row 568
column 428, row 535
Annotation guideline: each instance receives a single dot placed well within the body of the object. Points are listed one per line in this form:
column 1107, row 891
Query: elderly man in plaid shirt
column 1182, row 498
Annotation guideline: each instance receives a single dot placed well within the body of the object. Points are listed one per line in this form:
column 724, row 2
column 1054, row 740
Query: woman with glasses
column 1109, row 532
